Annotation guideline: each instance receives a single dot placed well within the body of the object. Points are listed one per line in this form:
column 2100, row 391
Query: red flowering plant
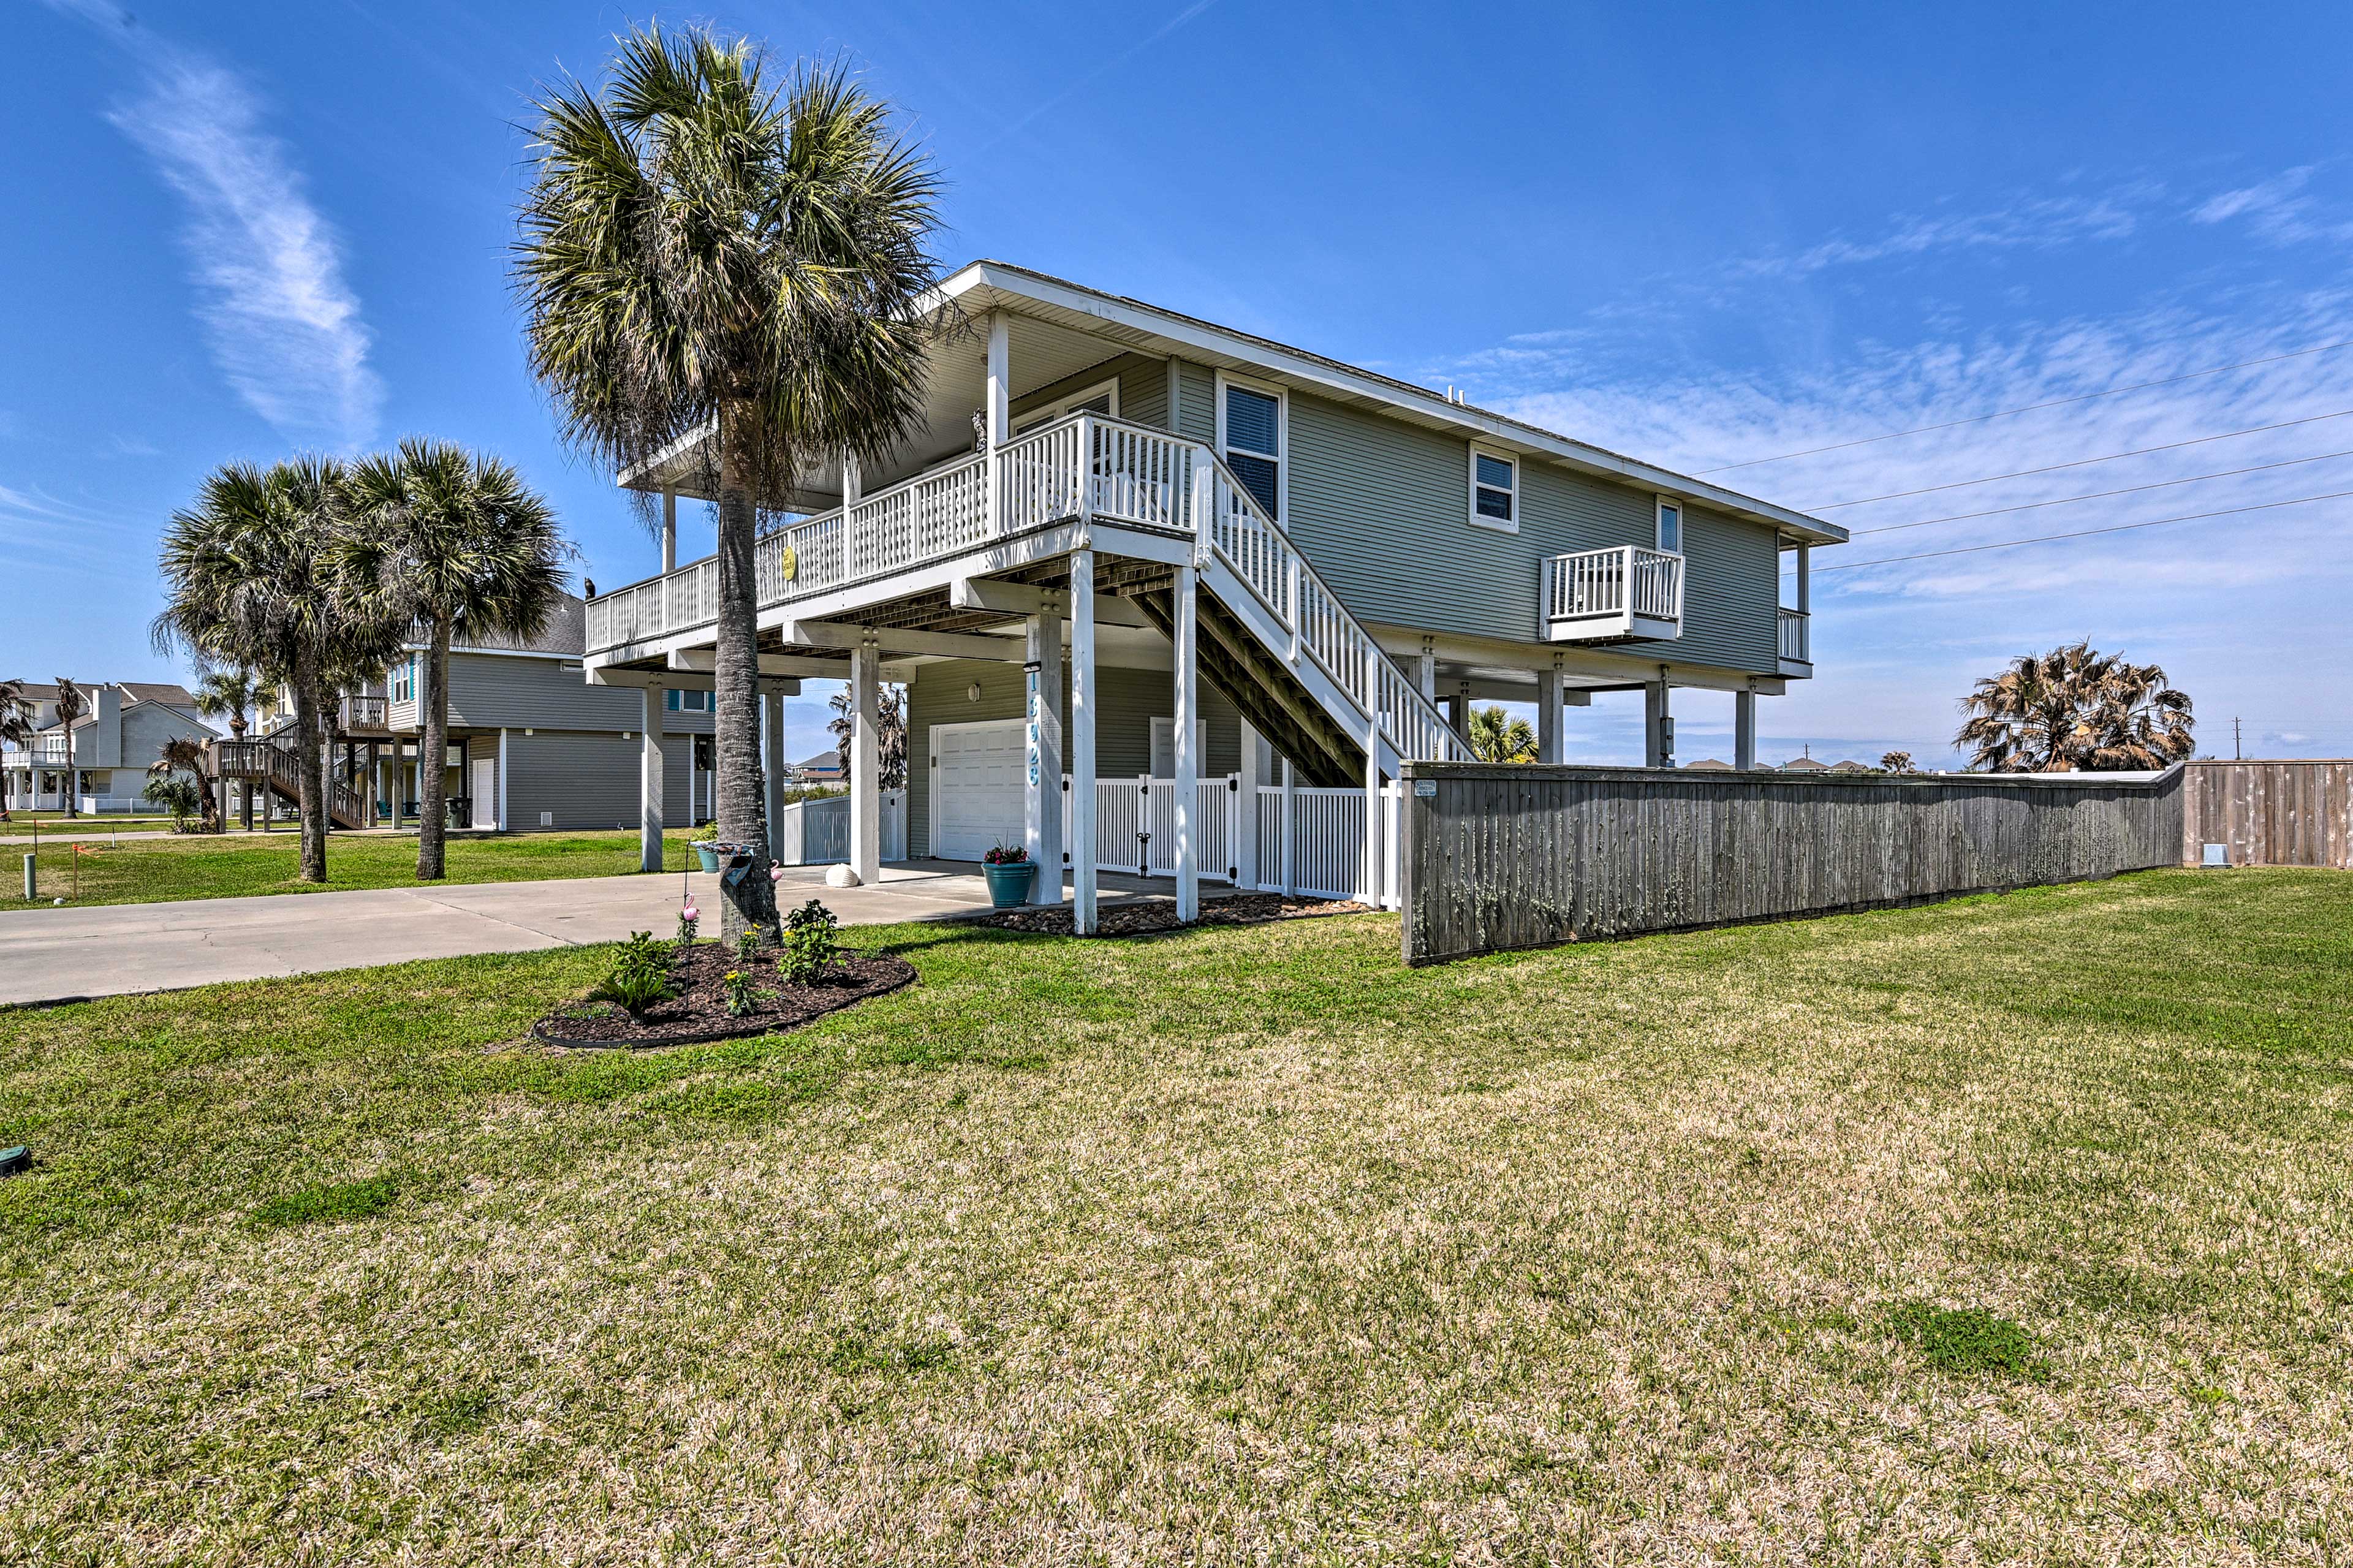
column 1006, row 855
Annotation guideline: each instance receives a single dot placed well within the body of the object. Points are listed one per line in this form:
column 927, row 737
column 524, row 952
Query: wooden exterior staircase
column 278, row 769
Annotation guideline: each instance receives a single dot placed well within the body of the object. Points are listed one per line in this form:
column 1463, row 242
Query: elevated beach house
column 115, row 742
column 1170, row 598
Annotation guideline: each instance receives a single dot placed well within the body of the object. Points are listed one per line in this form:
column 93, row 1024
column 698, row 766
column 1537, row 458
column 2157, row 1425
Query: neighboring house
column 1805, row 765
column 1269, row 569
column 532, row 747
column 822, row 767
column 1708, row 764
column 118, row 737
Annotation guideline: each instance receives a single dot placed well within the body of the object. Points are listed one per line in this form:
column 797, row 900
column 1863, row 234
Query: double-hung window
column 1494, row 490
column 1250, row 434
column 404, row 680
column 1103, row 398
column 1670, row 526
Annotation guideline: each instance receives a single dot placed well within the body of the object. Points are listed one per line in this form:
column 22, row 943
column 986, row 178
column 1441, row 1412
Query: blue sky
column 1699, row 233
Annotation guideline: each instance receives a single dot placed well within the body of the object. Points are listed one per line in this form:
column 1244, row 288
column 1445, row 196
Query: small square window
column 1494, row 490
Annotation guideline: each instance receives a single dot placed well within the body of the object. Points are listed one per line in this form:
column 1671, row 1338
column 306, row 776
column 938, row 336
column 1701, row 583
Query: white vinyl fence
column 1318, row 849
column 816, row 832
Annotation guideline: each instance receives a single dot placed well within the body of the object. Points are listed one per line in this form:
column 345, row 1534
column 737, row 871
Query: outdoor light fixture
column 972, row 692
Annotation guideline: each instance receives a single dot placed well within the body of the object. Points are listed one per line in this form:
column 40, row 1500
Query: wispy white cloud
column 2281, row 210
column 283, row 324
column 2029, row 222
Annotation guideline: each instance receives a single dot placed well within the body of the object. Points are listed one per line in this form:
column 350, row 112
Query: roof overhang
column 1071, row 322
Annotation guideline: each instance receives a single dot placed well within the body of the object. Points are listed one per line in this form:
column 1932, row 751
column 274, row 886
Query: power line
column 2026, row 408
column 2103, row 495
column 2079, row 462
column 2084, row 532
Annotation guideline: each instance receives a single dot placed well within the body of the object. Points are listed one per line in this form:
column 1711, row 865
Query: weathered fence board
column 1512, row 855
column 2270, row 813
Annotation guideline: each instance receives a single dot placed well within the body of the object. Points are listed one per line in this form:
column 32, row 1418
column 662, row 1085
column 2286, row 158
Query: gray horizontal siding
column 488, row 691
column 1131, row 698
column 1143, row 389
column 583, row 781
column 1381, row 509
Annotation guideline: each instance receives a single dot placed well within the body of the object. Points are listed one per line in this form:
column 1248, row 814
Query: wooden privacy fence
column 2269, row 813
column 1499, row 856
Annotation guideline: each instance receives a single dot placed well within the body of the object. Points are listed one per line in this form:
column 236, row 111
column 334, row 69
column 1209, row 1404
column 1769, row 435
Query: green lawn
column 2013, row 1229
column 204, row 866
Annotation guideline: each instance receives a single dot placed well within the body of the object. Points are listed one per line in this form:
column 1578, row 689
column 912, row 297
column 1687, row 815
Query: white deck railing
column 1084, row 466
column 1612, row 587
column 1795, row 636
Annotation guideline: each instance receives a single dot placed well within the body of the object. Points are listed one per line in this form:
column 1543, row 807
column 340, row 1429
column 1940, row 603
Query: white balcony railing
column 1623, row 591
column 1082, row 466
column 1796, row 641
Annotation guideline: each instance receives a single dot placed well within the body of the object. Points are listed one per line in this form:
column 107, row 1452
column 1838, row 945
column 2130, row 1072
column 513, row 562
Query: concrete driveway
column 54, row 954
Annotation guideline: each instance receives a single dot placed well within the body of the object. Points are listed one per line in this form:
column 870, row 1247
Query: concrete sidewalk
column 48, row 955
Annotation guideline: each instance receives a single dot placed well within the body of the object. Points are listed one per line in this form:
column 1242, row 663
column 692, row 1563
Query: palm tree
column 2074, row 710
column 183, row 754
column 230, row 693
column 1895, row 763
column 248, row 580
column 71, row 707
column 448, row 542
column 704, row 248
column 890, row 733
column 1496, row 737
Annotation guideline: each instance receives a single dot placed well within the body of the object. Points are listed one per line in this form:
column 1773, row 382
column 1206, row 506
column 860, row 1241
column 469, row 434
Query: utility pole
column 2236, row 754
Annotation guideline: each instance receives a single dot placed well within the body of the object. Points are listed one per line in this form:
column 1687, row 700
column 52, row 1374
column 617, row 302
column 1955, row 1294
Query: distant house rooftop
column 1805, row 765
column 821, row 765
column 1708, row 764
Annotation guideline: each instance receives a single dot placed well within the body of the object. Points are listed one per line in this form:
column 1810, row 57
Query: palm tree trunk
column 309, row 782
column 73, row 779
column 751, row 902
column 433, row 784
column 244, row 785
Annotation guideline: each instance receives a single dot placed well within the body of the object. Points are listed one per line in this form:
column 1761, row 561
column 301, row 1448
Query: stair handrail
column 1319, row 623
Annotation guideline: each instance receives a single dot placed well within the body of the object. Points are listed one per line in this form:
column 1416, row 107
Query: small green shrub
column 741, row 997
column 811, row 944
column 1966, row 1340
column 747, row 945
column 176, row 793
column 330, row 1200
column 639, row 976
column 704, row 834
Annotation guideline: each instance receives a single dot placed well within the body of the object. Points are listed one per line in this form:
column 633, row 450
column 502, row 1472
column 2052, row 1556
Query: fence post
column 31, row 892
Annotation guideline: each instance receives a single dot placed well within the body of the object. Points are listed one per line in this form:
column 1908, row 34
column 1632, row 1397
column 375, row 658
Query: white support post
column 1805, row 579
column 772, row 767
column 1243, row 843
column 1187, row 770
column 995, row 401
column 853, row 480
column 1368, row 874
column 1290, row 829
column 1548, row 715
column 865, row 765
column 1744, row 730
column 651, row 777
column 670, row 531
column 1041, row 782
column 502, row 780
column 1082, row 741
column 1425, row 669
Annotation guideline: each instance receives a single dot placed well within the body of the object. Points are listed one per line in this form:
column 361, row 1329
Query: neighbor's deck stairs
column 279, row 769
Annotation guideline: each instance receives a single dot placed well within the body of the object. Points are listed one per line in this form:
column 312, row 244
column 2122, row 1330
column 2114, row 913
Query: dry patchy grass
column 2008, row 1230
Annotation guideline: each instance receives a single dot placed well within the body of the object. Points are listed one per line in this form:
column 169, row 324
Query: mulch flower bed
column 1143, row 919
column 698, row 1011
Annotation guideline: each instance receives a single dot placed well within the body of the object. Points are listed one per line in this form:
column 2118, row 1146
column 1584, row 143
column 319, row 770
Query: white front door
column 486, row 792
column 1164, row 748
column 977, row 772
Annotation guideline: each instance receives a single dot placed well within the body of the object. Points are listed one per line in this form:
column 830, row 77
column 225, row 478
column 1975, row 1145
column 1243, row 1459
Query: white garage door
column 976, row 787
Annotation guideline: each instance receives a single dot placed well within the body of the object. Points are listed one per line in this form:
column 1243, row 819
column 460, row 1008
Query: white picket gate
column 1136, row 826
